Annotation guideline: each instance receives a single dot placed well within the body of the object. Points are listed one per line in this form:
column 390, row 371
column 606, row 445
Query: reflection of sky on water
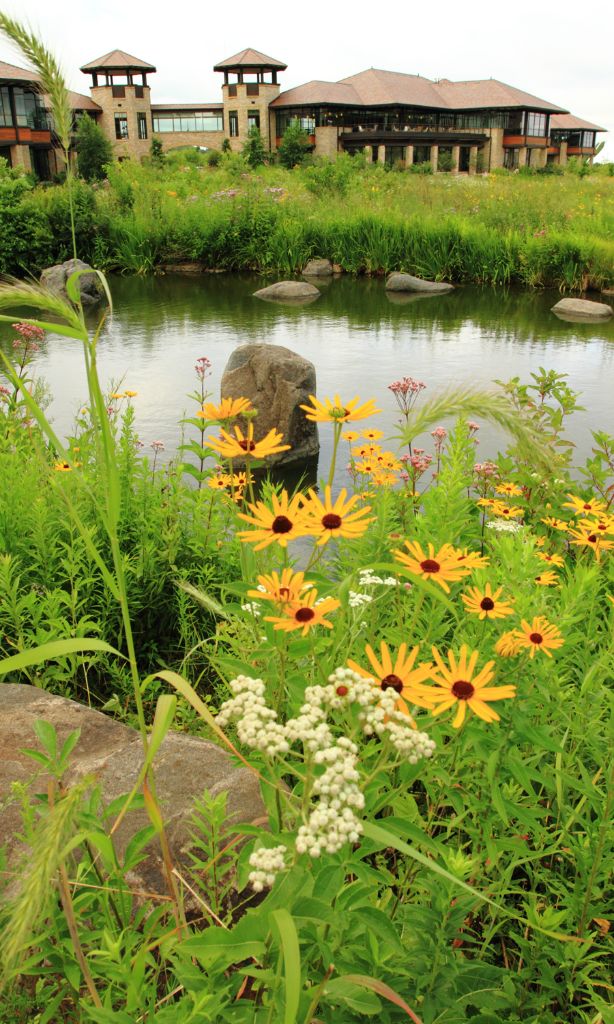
column 358, row 340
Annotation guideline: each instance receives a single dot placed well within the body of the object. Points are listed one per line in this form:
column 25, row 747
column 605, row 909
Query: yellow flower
column 244, row 444
column 512, row 490
column 304, row 614
column 547, row 579
column 327, row 519
column 228, row 409
column 583, row 507
column 503, row 511
column 367, row 451
column 590, row 538
column 539, row 635
column 486, row 604
column 366, row 466
column 554, row 523
column 507, row 645
column 382, row 479
column 62, row 467
column 350, row 435
column 472, row 559
column 401, row 676
column 552, row 559
column 284, row 589
column 131, row 394
column 117, row 394
column 455, row 684
column 170, row 192
column 279, row 524
column 218, row 481
column 372, row 435
column 337, row 411
column 442, row 567
column 603, row 526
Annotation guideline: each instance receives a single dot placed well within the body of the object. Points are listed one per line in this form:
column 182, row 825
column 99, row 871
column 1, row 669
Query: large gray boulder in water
column 318, row 268
column 89, row 284
column 578, row 310
column 297, row 292
column 277, row 381
column 407, row 283
column 112, row 754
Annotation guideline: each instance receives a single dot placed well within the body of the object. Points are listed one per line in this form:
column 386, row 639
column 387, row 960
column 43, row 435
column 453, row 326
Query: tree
column 253, row 149
column 294, row 145
column 156, row 151
column 94, row 151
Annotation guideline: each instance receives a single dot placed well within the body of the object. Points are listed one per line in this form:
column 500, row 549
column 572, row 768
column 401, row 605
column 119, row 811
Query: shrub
column 94, row 151
column 156, row 151
column 294, row 146
column 253, row 150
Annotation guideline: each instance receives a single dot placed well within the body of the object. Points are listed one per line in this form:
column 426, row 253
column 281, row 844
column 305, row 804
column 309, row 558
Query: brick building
column 391, row 117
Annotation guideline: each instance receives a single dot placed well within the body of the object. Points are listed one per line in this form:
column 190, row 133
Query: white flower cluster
column 257, row 725
column 252, row 607
column 367, row 578
column 356, row 600
column 504, row 526
column 333, row 822
column 267, row 863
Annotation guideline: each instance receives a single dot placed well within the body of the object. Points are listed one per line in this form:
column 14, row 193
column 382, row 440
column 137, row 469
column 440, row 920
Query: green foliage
column 156, row 151
column 94, row 151
column 294, row 146
column 253, row 148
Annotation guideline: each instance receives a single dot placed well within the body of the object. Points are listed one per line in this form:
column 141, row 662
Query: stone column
column 434, row 158
column 409, row 156
column 20, row 157
column 455, row 159
column 563, row 154
column 381, row 155
column 522, row 156
column 473, row 159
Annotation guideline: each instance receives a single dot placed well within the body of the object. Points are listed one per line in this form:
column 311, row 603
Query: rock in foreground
column 582, row 309
column 112, row 753
column 318, row 268
column 89, row 284
column 407, row 283
column 277, row 381
column 288, row 291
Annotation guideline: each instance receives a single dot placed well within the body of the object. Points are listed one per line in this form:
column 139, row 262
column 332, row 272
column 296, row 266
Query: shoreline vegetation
column 529, row 230
column 425, row 704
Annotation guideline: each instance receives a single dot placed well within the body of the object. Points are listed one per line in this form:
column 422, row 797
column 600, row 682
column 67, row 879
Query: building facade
column 390, row 117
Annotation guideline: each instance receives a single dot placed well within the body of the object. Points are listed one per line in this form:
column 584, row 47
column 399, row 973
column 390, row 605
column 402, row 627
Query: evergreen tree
column 294, row 145
column 94, row 150
column 253, row 149
column 156, row 151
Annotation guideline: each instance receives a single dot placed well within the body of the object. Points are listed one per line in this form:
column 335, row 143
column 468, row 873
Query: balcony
column 408, row 135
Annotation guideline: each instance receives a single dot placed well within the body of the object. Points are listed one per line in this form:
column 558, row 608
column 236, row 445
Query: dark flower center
column 284, row 593
column 536, row 638
column 392, row 681
column 463, row 689
column 281, row 524
column 588, row 507
column 430, row 565
column 247, row 445
column 487, row 604
column 342, row 691
column 331, row 521
column 304, row 615
column 592, row 538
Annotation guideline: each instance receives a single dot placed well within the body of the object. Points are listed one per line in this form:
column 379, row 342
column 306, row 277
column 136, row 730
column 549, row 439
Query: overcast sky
column 561, row 52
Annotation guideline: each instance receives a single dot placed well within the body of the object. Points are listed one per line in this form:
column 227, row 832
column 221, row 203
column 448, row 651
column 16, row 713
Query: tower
column 119, row 86
column 250, row 86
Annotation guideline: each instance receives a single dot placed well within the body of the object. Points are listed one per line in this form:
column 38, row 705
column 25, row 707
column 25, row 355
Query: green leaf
column 380, row 924
column 53, row 650
column 288, row 938
column 375, row 985
column 221, row 947
column 163, row 719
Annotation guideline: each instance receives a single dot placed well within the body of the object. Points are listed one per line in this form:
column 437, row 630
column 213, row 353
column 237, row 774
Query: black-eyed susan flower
column 372, row 435
column 589, row 537
column 472, row 559
column 547, row 579
column 507, row 646
column 243, row 444
column 443, row 567
column 456, row 685
column 552, row 559
column 555, row 524
column 62, row 466
column 603, row 525
column 486, row 604
column 131, row 394
column 503, row 511
column 584, row 506
column 305, row 614
column 539, row 635
column 400, row 674
column 280, row 523
column 338, row 411
column 281, row 588
column 219, row 481
column 350, row 435
column 512, row 490
column 228, row 409
column 384, row 478
column 327, row 519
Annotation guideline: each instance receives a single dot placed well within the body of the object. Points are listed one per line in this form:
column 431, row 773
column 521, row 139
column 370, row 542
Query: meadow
column 424, row 694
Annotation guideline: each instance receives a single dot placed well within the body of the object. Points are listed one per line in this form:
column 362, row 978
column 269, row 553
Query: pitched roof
column 250, row 59
column 9, row 71
column 569, row 121
column 374, row 88
column 79, row 101
column 117, row 60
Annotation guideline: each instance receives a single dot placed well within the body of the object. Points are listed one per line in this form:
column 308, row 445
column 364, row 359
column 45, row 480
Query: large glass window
column 510, row 158
column 6, row 115
column 188, row 122
column 141, row 120
column 535, row 124
column 29, row 109
column 233, row 123
column 253, row 120
column 588, row 139
column 121, row 126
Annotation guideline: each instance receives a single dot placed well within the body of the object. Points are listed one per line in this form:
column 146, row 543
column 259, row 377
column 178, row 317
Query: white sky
column 560, row 51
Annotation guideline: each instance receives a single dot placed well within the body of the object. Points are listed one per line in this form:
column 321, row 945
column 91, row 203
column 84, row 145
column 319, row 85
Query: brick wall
column 130, row 105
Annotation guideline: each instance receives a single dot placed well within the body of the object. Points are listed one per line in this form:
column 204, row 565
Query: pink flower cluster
column 420, row 462
column 439, row 435
column 202, row 366
column 29, row 336
column 406, row 390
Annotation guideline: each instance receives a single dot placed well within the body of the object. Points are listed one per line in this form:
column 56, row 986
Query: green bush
column 294, row 146
column 94, row 151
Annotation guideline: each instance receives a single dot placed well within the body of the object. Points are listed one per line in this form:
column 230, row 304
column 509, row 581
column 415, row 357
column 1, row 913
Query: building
column 391, row 117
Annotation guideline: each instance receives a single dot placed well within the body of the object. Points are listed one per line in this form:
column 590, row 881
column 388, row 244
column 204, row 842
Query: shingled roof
column 117, row 60
column 376, row 88
column 566, row 122
column 250, row 59
column 8, row 72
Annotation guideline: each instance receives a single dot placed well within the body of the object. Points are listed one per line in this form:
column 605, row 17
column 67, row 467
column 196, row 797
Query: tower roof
column 250, row 59
column 117, row 60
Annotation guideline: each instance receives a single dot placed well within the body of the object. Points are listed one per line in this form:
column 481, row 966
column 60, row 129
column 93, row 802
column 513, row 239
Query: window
column 535, row 124
column 510, row 159
column 29, row 109
column 141, row 120
column 588, row 139
column 121, row 126
column 253, row 119
column 138, row 92
column 251, row 89
column 118, row 91
column 233, row 123
column 6, row 117
column 198, row 121
column 232, row 89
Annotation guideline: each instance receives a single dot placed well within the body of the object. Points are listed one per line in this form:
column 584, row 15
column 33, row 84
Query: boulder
column 277, row 381
column 183, row 268
column 299, row 292
column 407, row 283
column 318, row 268
column 112, row 754
column 607, row 291
column 578, row 310
column 89, row 284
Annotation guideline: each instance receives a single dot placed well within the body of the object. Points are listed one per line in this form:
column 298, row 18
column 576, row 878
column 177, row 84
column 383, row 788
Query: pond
column 358, row 339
